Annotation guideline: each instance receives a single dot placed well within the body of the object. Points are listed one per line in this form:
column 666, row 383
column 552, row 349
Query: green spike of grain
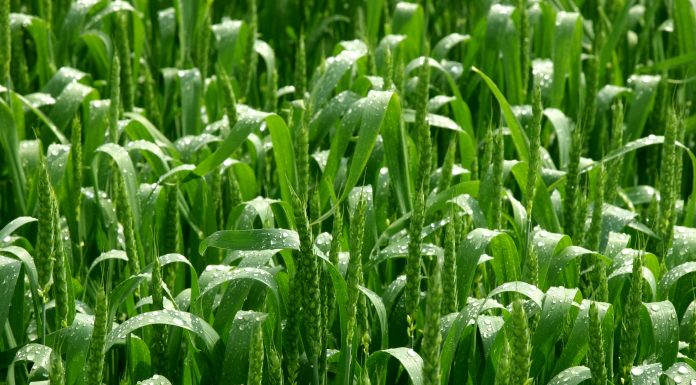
column 172, row 236
column 234, row 191
column 46, row 11
column 272, row 93
column 302, row 158
column 389, row 69
column 115, row 97
column 308, row 270
column 520, row 349
column 652, row 213
column 76, row 166
column 56, row 375
column 615, row 166
column 570, row 201
column 228, row 96
column 216, row 191
column 336, row 233
column 275, row 369
column 423, row 128
column 122, row 43
column 363, row 319
column 124, row 213
column 601, row 282
column 502, row 371
column 60, row 276
column 45, row 242
column 658, row 118
column 525, row 44
column 326, row 333
column 399, row 74
column 354, row 274
column 534, row 147
column 315, row 210
column 580, row 217
column 533, row 271
column 590, row 103
column 156, row 285
column 94, row 363
column 595, row 354
column 495, row 212
column 447, row 165
column 668, row 193
column 256, row 353
column 630, row 322
column 487, row 155
column 678, row 173
column 5, row 42
column 595, row 232
column 19, row 68
column 250, row 56
column 300, row 68
column 413, row 262
column 171, row 242
column 158, row 346
column 430, row 345
column 150, row 96
column 308, row 267
column 203, row 46
column 533, row 265
column 449, row 271
column 291, row 333
column 692, row 336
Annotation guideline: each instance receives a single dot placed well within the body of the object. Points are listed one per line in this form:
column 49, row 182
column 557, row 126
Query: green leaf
column 125, row 166
column 646, row 374
column 567, row 47
column 38, row 355
column 519, row 138
column 176, row 318
column 672, row 276
column 528, row 290
column 659, row 324
column 680, row 373
column 448, row 42
column 381, row 314
column 503, row 250
column 258, row 239
column 558, row 302
column 9, row 271
column 13, row 226
column 155, row 380
column 235, row 365
column 408, row 358
column 571, row 376
column 408, row 20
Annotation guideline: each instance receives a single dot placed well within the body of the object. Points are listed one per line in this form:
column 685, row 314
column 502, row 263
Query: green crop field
column 325, row 192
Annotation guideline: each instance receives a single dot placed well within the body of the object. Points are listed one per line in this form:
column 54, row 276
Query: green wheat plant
column 347, row 193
